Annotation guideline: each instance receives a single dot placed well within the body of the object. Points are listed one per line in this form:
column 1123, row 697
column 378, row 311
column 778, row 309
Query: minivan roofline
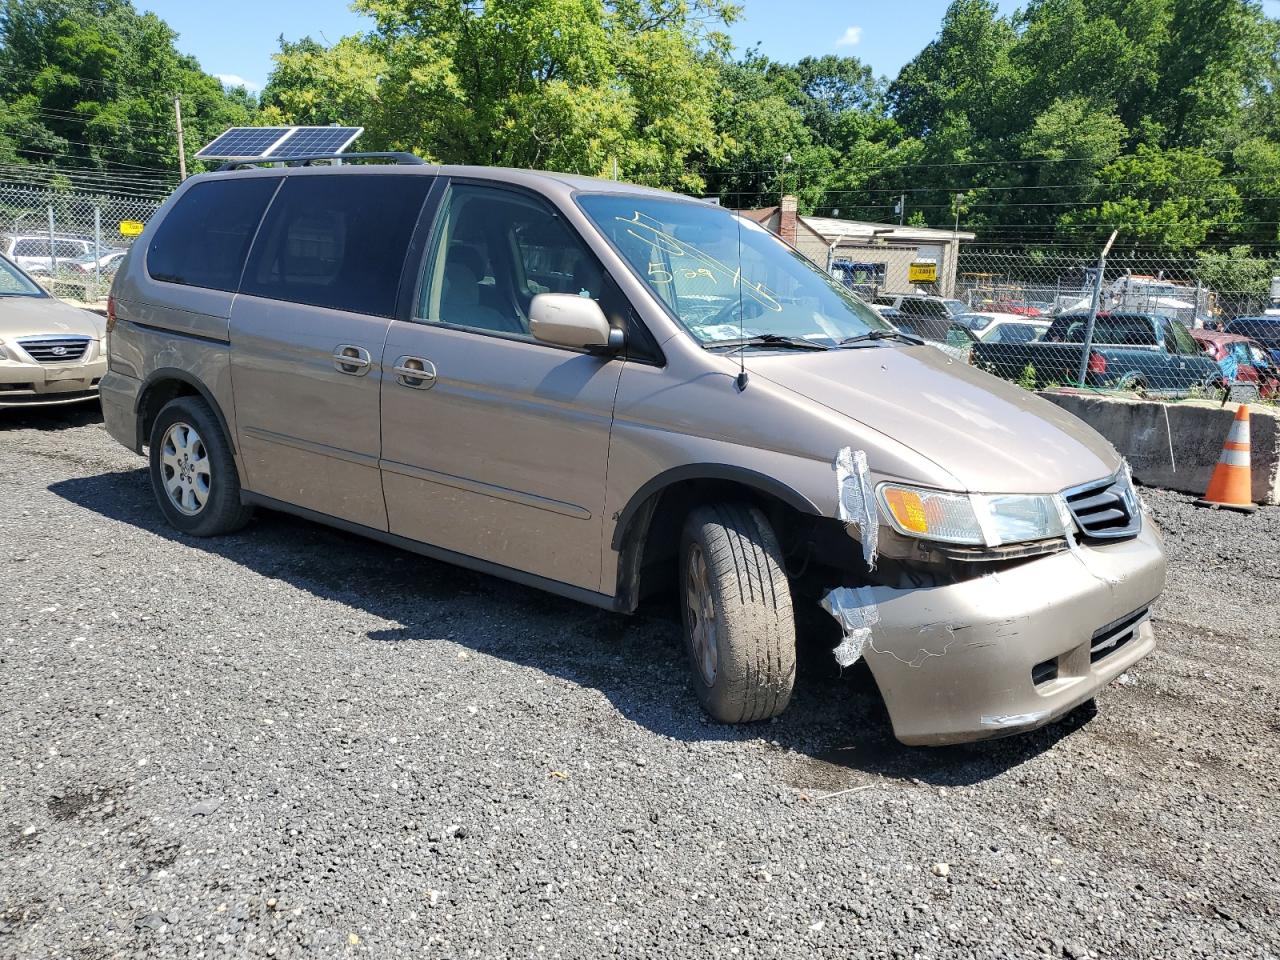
column 575, row 183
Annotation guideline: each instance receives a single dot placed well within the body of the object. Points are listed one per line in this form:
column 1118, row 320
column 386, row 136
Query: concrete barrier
column 1175, row 445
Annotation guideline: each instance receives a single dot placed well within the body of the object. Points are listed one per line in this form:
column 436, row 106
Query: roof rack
column 399, row 156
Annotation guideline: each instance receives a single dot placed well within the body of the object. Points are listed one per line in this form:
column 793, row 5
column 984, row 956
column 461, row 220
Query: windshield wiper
column 770, row 340
column 873, row 335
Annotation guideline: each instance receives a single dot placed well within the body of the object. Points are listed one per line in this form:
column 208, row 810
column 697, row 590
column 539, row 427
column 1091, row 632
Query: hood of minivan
column 33, row 316
column 991, row 435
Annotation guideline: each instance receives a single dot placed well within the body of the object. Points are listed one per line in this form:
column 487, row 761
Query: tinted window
column 493, row 251
column 932, row 309
column 31, row 248
column 337, row 241
column 203, row 240
column 1263, row 329
column 1122, row 330
column 1178, row 340
column 68, row 249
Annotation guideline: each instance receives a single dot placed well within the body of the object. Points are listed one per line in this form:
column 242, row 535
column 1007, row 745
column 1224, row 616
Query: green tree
column 574, row 85
column 92, row 82
column 1175, row 199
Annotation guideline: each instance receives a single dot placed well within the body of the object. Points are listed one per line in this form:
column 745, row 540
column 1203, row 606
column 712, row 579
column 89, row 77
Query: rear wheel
column 738, row 621
column 193, row 473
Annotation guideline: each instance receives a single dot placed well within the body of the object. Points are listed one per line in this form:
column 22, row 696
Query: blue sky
column 235, row 38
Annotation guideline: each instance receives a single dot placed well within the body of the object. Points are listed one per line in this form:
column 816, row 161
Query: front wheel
column 738, row 622
column 193, row 473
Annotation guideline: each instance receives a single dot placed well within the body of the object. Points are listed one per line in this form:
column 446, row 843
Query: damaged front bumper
column 1009, row 651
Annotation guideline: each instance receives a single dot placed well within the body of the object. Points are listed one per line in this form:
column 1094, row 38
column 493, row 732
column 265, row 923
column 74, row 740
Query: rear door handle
column 416, row 372
column 351, row 360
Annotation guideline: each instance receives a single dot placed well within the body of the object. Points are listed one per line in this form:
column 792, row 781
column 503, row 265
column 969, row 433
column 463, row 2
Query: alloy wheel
column 185, row 468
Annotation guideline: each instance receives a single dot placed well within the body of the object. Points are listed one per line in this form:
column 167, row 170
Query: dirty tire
column 754, row 633
column 222, row 511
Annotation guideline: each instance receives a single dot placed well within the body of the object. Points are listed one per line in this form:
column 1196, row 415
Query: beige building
column 880, row 254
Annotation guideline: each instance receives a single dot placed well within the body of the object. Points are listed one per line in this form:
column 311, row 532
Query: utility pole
column 182, row 150
column 902, row 209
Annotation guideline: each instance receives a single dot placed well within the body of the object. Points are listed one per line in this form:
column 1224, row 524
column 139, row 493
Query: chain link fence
column 1156, row 325
column 1205, row 325
column 70, row 242
column 1201, row 325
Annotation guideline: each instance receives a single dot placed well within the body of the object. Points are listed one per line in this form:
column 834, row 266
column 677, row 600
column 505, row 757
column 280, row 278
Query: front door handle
column 351, row 360
column 415, row 372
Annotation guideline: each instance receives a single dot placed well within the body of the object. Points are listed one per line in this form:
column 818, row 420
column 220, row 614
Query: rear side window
column 337, row 241
column 1121, row 330
column 203, row 240
column 31, row 248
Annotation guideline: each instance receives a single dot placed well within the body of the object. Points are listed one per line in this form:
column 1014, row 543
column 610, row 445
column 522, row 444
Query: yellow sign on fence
column 923, row 271
column 130, row 228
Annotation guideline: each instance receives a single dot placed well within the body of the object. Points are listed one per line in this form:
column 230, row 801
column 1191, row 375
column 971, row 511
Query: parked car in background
column 921, row 305
column 447, row 359
column 1264, row 329
column 1247, row 368
column 36, row 253
column 1143, row 352
column 1004, row 327
column 105, row 264
column 1021, row 309
column 950, row 336
column 50, row 352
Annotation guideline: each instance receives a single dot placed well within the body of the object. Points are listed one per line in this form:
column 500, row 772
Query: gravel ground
column 295, row 742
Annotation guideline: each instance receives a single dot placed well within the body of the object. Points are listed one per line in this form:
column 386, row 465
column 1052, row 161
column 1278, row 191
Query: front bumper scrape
column 1009, row 651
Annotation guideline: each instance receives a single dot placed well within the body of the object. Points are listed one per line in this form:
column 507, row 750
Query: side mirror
column 567, row 320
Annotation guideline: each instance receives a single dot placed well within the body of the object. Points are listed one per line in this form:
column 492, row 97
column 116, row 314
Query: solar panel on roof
column 241, row 142
column 283, row 143
column 310, row 141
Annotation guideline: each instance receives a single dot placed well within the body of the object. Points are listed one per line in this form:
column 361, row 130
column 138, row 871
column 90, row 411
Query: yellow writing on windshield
column 649, row 230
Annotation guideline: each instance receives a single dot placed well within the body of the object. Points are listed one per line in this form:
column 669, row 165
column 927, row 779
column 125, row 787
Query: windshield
column 726, row 278
column 14, row 284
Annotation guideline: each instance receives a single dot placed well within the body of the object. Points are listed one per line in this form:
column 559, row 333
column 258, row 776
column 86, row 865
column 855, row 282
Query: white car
column 35, row 253
column 1005, row 327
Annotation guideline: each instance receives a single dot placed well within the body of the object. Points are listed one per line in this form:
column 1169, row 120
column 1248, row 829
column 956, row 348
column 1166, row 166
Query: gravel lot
column 296, row 742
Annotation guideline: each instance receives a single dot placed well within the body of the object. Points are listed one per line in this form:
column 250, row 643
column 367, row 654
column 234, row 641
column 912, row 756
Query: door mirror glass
column 568, row 320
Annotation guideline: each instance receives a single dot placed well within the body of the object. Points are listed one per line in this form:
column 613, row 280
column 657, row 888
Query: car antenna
column 741, row 380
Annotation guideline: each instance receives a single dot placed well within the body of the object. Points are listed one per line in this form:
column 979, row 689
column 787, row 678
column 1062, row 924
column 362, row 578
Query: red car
column 1022, row 309
column 1244, row 362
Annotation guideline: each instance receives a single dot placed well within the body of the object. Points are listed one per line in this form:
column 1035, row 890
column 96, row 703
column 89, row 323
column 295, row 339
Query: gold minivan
column 607, row 391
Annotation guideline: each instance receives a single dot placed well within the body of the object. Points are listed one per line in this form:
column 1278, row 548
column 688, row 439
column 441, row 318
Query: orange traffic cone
column 1231, row 485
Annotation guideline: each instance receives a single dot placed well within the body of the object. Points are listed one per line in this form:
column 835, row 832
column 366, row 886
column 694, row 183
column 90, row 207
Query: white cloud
column 234, row 80
column 850, row 37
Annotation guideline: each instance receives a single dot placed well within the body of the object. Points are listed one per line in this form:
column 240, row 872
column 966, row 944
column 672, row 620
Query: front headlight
column 975, row 519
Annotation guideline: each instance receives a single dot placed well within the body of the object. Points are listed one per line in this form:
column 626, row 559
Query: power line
column 63, row 116
column 99, row 146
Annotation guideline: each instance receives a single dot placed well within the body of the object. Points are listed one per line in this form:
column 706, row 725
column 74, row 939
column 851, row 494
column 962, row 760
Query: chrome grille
column 1105, row 509
column 54, row 349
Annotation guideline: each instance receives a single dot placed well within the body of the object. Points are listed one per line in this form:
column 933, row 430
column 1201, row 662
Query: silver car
column 50, row 352
column 610, row 392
